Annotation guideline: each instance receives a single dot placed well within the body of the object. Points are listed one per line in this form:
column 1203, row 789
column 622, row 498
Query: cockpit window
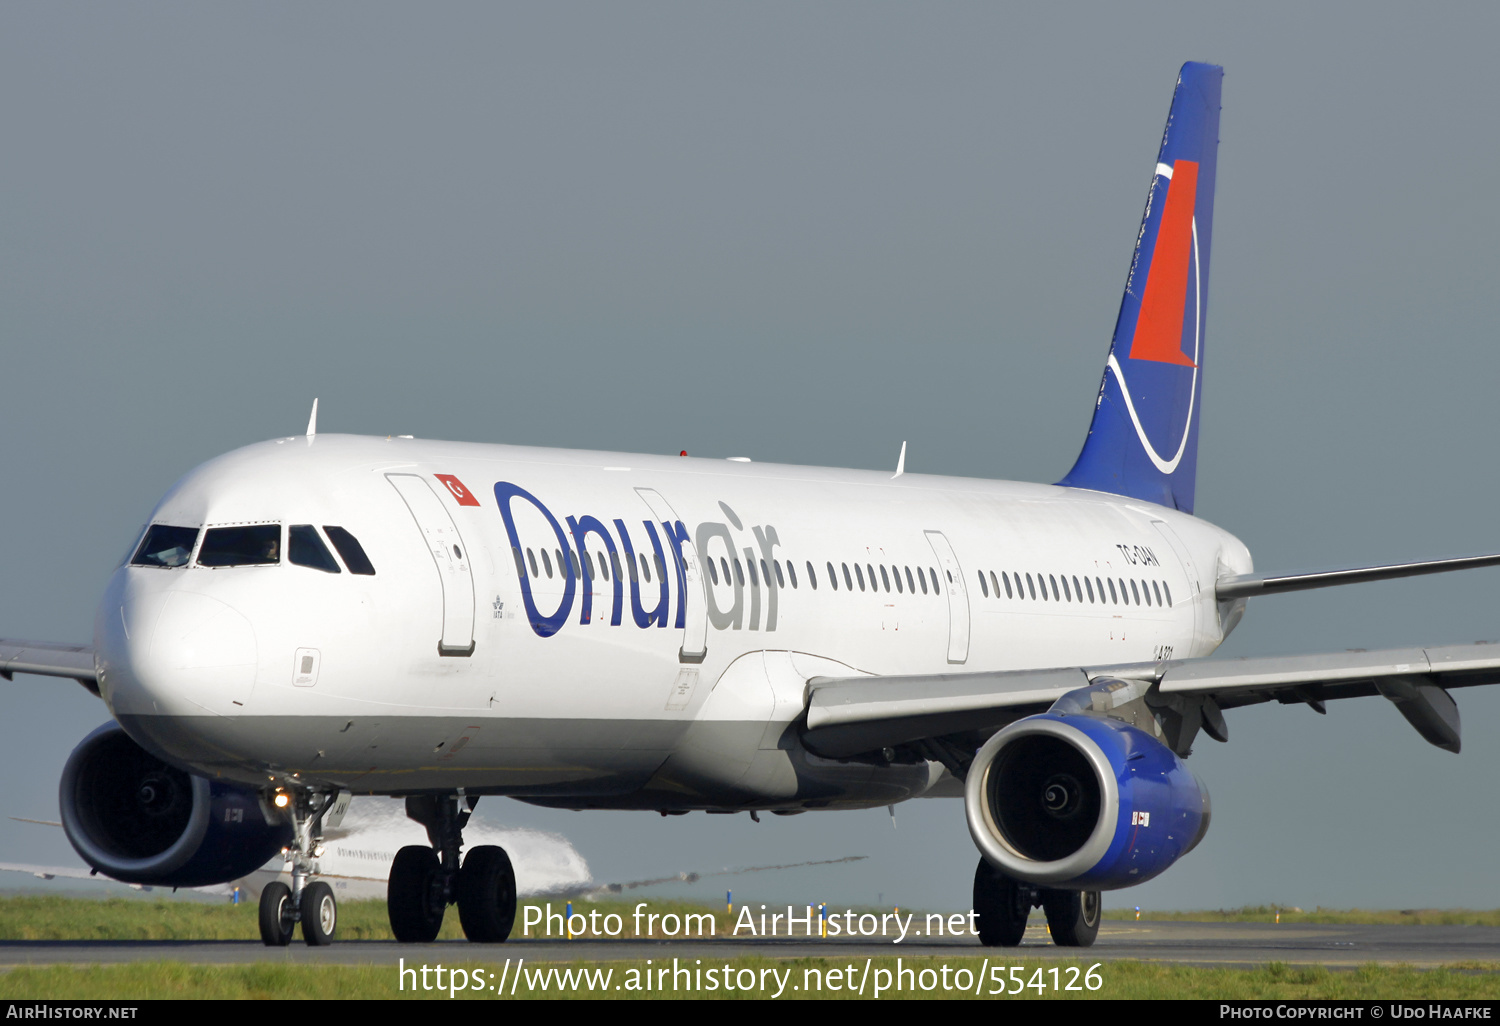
column 257, row 545
column 349, row 547
column 165, row 546
column 305, row 548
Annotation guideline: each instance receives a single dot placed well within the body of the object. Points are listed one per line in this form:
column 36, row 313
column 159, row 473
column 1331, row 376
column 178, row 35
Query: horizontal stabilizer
column 1247, row 585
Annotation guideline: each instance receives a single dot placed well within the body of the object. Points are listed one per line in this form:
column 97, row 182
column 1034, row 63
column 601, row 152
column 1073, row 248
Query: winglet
column 900, row 463
column 312, row 422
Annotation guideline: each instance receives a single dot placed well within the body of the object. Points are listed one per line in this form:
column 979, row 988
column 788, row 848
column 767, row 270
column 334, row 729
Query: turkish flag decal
column 463, row 496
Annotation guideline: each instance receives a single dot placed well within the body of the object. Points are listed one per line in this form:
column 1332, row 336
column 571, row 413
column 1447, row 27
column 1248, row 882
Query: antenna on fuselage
column 900, row 460
column 312, row 422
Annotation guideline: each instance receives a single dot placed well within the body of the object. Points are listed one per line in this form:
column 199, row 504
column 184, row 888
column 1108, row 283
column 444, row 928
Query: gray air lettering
column 1138, row 555
column 766, row 538
column 646, row 617
column 733, row 617
column 582, row 527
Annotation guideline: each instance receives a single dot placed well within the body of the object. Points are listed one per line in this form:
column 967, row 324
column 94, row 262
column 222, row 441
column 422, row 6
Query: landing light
column 282, row 800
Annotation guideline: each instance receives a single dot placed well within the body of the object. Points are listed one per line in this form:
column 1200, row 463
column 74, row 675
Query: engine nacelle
column 137, row 819
column 1082, row 803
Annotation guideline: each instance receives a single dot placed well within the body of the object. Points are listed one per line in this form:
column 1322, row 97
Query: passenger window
column 257, row 545
column 1135, row 592
column 1041, row 581
column 634, row 579
column 791, row 571
column 603, row 567
column 739, row 573
column 860, row 574
column 645, row 569
column 547, row 564
column 776, row 565
column 1090, row 586
column 1168, row 589
column 165, row 546
column 935, row 589
column 750, row 566
column 885, row 579
column 661, row 568
column 1004, row 577
column 306, row 549
column 812, row 577
column 1077, row 591
column 1157, row 590
column 614, row 564
column 833, row 578
column 1145, row 590
column 910, row 584
column 1066, row 593
column 1112, row 596
column 848, row 581
column 713, row 571
column 562, row 564
column 292, row 553
column 1031, row 588
column 923, row 578
column 984, row 587
column 531, row 557
column 573, row 562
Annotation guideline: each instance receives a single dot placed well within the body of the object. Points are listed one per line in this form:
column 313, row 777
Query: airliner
column 321, row 616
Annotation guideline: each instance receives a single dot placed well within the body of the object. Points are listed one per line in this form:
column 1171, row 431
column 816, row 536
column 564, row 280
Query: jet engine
column 1082, row 803
column 139, row 820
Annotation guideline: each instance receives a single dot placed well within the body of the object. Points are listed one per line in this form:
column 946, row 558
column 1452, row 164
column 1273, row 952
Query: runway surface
column 1197, row 944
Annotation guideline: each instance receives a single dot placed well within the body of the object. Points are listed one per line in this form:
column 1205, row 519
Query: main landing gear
column 1004, row 904
column 425, row 881
column 309, row 902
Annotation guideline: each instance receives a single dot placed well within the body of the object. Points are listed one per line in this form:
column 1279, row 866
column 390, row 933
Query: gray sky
column 804, row 233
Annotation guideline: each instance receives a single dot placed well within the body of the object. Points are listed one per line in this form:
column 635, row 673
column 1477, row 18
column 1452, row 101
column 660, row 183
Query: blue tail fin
column 1144, row 438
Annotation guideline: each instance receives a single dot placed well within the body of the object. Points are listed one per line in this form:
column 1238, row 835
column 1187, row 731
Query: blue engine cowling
column 1082, row 803
column 139, row 820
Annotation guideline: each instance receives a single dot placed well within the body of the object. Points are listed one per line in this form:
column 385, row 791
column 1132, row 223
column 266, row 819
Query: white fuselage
column 469, row 659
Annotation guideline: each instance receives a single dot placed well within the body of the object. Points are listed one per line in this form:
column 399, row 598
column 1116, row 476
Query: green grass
column 1124, row 979
column 48, row 917
column 1356, row 916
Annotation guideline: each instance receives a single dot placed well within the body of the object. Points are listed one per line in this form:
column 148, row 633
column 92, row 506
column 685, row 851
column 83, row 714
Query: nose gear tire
column 276, row 915
column 320, row 914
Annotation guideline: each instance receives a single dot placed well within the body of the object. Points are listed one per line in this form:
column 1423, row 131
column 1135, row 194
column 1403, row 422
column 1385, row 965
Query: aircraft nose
column 173, row 651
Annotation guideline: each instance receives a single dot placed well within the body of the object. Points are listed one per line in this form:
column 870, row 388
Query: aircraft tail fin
column 1143, row 441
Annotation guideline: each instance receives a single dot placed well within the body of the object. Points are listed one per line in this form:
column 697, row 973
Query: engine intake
column 140, row 820
column 1082, row 802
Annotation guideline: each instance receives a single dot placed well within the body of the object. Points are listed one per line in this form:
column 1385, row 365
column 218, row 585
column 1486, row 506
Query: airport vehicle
column 322, row 615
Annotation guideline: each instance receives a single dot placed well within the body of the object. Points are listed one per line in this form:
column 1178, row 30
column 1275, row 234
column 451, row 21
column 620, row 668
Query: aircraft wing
column 851, row 716
column 49, row 659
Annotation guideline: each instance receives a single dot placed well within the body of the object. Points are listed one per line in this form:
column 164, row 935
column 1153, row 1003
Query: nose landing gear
column 425, row 881
column 310, row 903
